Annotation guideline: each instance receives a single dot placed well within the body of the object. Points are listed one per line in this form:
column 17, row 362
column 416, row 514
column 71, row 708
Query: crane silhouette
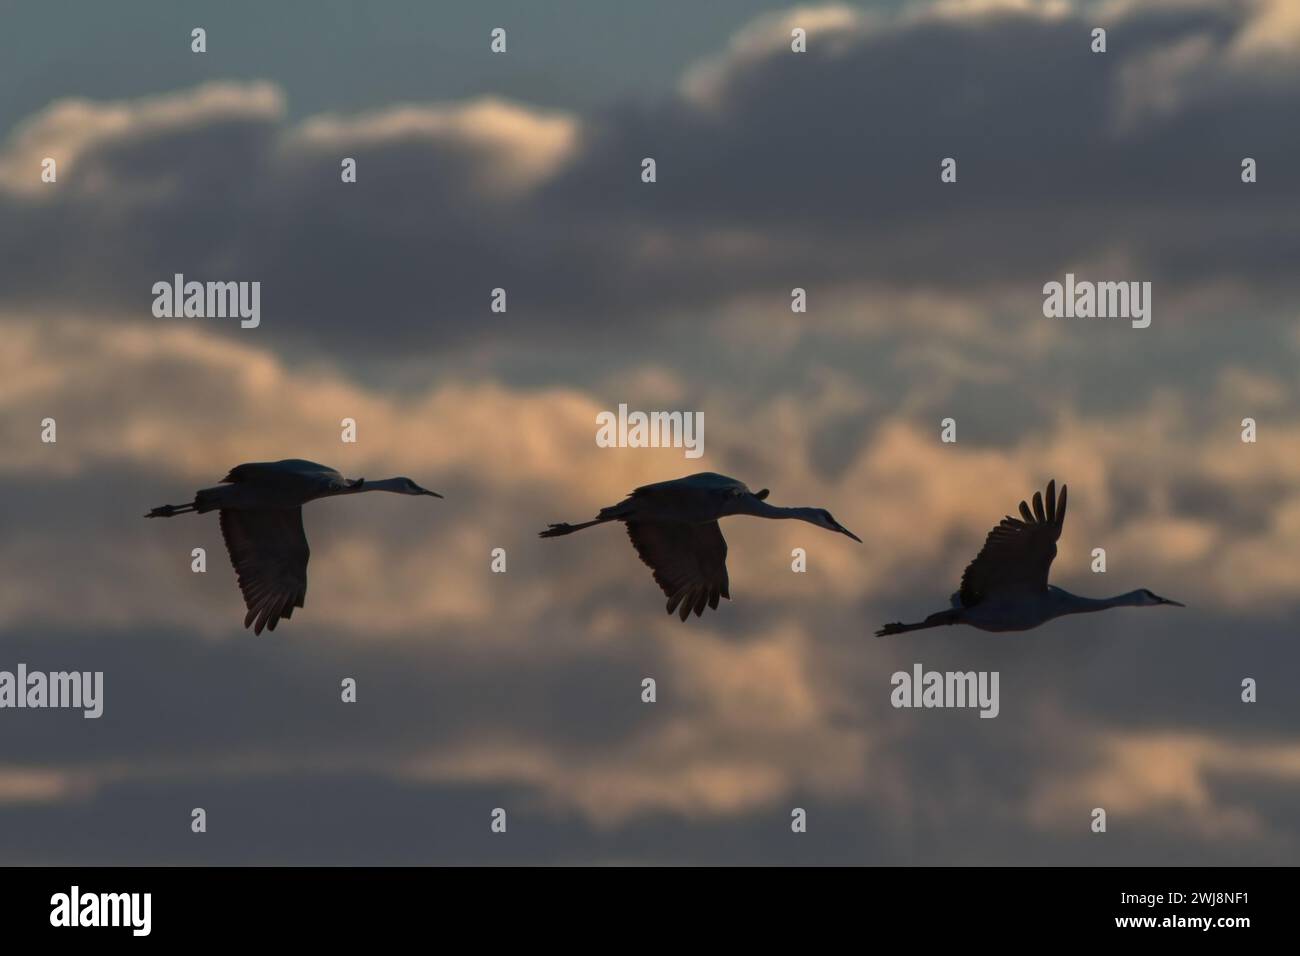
column 1005, row 588
column 260, row 505
column 674, row 528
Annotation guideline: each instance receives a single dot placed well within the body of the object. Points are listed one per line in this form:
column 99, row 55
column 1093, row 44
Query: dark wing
column 689, row 562
column 705, row 483
column 269, row 551
column 1017, row 555
column 292, row 474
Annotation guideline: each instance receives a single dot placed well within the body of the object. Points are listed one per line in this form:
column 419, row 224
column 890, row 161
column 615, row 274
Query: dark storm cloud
column 241, row 698
column 254, row 733
column 355, row 819
column 784, row 169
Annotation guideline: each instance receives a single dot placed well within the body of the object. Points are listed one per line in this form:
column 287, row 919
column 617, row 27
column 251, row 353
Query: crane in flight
column 1005, row 588
column 674, row 528
column 260, row 505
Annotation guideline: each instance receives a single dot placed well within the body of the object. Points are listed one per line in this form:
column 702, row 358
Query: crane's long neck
column 382, row 484
column 761, row 509
column 1077, row 604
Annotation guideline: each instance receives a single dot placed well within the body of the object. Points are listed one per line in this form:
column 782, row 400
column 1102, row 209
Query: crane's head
column 405, row 486
column 1147, row 598
column 824, row 519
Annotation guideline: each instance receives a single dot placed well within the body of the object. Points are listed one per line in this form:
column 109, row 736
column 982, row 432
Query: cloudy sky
column 775, row 170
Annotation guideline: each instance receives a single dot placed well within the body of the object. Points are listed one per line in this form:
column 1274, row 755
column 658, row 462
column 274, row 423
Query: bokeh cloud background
column 522, row 690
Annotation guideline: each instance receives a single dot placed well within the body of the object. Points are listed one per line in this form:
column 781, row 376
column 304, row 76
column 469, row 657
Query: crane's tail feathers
column 166, row 511
column 556, row 530
column 937, row 619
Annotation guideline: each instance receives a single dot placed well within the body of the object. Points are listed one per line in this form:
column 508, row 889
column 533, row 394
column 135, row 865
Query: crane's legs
column 937, row 619
column 166, row 511
column 555, row 530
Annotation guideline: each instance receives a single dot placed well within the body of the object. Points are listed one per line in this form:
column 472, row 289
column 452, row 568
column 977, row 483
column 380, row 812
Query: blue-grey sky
column 353, row 54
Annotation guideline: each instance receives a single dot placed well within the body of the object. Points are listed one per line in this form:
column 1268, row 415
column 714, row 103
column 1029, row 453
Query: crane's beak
column 431, row 494
column 844, row 530
column 1174, row 603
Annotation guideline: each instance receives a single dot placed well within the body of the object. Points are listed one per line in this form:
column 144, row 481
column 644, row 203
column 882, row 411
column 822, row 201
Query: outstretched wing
column 268, row 549
column 689, row 562
column 1017, row 555
column 291, row 474
column 704, row 481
